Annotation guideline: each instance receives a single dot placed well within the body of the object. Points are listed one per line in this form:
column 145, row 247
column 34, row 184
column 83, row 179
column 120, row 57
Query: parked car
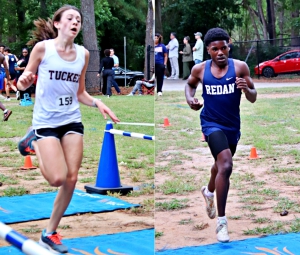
column 131, row 76
column 288, row 62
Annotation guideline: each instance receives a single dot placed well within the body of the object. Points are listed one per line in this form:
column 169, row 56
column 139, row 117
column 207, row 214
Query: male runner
column 6, row 112
column 223, row 81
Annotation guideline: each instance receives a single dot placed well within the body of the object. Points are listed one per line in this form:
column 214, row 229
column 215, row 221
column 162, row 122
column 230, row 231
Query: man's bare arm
column 6, row 69
column 245, row 83
column 191, row 87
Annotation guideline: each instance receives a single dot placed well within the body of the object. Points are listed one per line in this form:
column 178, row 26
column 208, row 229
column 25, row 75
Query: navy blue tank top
column 11, row 63
column 221, row 100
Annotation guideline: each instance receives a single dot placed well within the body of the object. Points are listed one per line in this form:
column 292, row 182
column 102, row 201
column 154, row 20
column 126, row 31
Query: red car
column 288, row 62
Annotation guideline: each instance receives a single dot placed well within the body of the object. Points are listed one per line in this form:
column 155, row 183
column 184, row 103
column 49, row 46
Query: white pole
column 153, row 6
column 21, row 242
column 136, row 124
column 130, row 134
column 125, row 59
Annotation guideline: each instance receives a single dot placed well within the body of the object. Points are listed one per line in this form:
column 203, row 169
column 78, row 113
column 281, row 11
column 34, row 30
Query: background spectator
column 173, row 56
column 187, row 58
column 161, row 58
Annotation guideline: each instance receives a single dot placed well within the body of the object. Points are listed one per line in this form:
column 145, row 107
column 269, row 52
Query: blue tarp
column 131, row 243
column 284, row 244
column 39, row 206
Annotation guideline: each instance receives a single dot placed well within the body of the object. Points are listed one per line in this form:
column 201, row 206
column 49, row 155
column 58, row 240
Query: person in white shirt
column 198, row 49
column 139, row 83
column 116, row 65
column 173, row 56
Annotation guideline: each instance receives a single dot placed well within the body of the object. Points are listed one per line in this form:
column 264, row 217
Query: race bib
column 64, row 102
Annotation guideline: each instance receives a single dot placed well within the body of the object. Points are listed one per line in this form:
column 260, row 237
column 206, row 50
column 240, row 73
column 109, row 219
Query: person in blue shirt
column 161, row 58
column 223, row 82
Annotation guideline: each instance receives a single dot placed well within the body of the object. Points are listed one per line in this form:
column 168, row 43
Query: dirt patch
column 278, row 79
column 279, row 95
column 124, row 91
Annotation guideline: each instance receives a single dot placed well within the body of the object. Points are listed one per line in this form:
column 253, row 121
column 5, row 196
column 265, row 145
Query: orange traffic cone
column 203, row 138
column 253, row 153
column 28, row 164
column 166, row 122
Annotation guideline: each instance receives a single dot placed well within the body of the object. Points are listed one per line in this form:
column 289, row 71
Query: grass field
column 137, row 155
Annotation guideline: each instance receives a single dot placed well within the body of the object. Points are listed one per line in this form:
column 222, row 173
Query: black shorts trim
column 59, row 132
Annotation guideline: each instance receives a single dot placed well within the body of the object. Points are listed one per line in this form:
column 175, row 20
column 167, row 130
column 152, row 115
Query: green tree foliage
column 284, row 14
column 244, row 19
column 187, row 17
column 128, row 20
column 114, row 19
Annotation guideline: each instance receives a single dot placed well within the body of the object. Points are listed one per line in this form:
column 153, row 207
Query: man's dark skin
column 3, row 61
column 222, row 168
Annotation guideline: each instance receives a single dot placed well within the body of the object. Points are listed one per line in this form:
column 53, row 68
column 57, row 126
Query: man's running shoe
column 222, row 231
column 210, row 206
column 25, row 145
column 52, row 242
column 6, row 115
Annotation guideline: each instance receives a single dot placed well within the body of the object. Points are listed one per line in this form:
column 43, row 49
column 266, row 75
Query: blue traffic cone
column 108, row 177
column 108, row 170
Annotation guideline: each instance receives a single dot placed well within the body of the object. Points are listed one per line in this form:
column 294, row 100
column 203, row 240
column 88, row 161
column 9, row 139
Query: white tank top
column 56, row 102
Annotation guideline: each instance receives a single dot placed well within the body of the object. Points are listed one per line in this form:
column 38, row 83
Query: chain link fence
column 254, row 52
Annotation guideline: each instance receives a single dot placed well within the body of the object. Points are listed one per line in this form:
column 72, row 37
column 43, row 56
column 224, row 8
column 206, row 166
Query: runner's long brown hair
column 44, row 29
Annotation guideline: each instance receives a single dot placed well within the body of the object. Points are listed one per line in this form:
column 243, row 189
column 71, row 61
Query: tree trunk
column 43, row 11
column 21, row 19
column 90, row 42
column 295, row 30
column 252, row 15
column 281, row 22
column 158, row 24
column 262, row 19
column 271, row 19
column 149, row 42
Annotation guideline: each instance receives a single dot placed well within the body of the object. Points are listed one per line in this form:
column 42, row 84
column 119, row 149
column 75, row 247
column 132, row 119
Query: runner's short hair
column 215, row 34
